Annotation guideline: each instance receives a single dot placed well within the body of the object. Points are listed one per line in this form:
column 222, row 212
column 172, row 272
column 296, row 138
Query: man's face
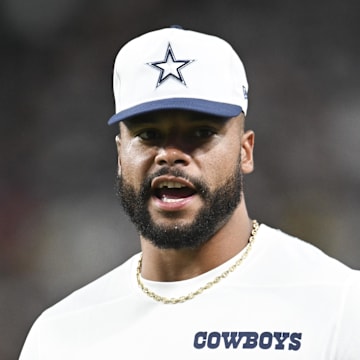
column 180, row 175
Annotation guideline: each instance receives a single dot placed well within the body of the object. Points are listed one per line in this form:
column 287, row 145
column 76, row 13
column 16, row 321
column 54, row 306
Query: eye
column 149, row 134
column 203, row 132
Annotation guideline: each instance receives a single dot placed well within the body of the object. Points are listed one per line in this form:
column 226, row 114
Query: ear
column 247, row 149
column 118, row 146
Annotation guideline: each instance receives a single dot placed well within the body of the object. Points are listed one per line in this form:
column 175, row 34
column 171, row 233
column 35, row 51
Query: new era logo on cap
column 178, row 69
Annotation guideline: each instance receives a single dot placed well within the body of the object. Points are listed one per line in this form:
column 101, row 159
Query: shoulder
column 93, row 302
column 290, row 258
column 114, row 285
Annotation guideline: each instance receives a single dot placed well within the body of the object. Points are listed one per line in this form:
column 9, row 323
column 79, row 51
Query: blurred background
column 61, row 225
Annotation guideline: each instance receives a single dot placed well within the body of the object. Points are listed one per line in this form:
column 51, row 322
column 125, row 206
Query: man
column 210, row 283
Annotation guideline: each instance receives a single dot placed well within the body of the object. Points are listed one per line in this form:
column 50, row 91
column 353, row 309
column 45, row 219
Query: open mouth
column 173, row 191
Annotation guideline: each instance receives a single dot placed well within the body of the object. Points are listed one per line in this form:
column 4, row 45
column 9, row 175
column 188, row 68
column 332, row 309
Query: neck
column 174, row 265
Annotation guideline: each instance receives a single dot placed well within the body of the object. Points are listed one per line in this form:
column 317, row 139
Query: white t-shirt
column 287, row 300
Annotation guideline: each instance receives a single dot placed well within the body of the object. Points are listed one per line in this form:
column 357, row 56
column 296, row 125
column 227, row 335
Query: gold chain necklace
column 191, row 295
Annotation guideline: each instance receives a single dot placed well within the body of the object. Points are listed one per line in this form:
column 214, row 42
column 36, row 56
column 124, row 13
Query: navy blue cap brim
column 198, row 105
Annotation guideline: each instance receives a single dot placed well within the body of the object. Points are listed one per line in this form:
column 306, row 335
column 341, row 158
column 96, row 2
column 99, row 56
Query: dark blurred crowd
column 60, row 223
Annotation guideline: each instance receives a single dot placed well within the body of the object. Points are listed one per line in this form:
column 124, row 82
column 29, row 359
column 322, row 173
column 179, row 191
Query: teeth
column 167, row 200
column 171, row 185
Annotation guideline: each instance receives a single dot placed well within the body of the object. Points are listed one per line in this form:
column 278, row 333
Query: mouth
column 172, row 190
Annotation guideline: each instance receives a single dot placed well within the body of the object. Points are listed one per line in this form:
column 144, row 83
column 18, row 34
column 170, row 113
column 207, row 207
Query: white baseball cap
column 174, row 68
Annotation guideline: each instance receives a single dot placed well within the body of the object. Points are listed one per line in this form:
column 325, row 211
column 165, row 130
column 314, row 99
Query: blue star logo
column 170, row 67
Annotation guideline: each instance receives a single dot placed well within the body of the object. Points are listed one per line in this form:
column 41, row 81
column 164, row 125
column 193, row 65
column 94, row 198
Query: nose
column 172, row 156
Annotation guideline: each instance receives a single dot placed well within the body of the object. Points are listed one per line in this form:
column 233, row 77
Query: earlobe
column 118, row 143
column 118, row 147
column 247, row 152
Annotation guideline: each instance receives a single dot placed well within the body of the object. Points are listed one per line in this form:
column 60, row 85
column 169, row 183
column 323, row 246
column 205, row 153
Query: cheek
column 218, row 166
column 134, row 165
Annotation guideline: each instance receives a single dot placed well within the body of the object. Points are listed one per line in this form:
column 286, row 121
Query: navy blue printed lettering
column 213, row 340
column 265, row 340
column 200, row 339
column 251, row 339
column 280, row 337
column 295, row 341
column 233, row 341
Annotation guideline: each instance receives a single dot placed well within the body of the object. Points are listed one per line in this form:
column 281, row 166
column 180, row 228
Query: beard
column 218, row 206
